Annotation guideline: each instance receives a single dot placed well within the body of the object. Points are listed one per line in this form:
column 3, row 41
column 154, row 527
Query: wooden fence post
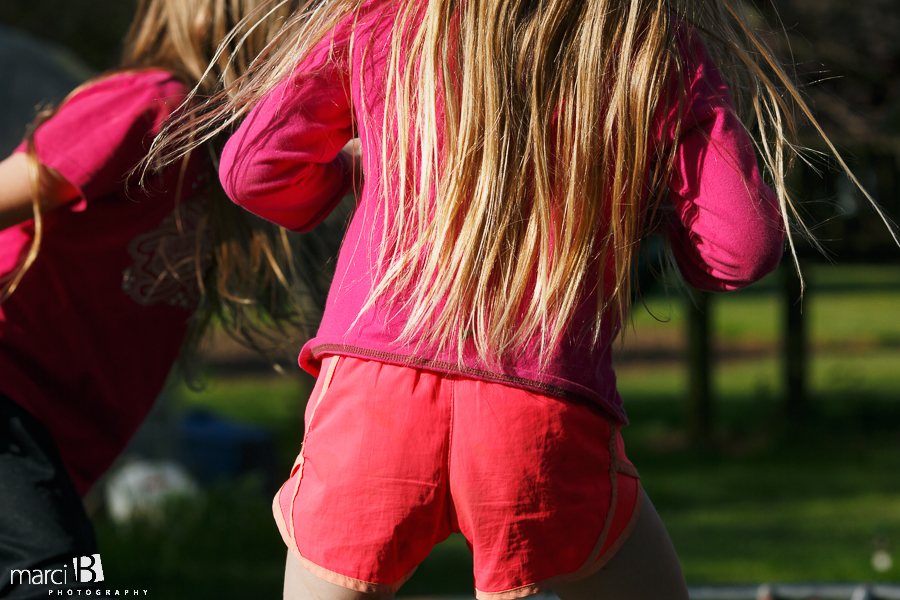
column 795, row 350
column 699, row 374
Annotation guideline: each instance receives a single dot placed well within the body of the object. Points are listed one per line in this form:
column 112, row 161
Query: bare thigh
column 300, row 584
column 645, row 567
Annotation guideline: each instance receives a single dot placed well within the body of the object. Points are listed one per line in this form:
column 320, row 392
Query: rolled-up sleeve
column 727, row 230
column 284, row 162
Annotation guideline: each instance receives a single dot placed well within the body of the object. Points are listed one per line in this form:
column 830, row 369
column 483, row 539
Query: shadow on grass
column 223, row 544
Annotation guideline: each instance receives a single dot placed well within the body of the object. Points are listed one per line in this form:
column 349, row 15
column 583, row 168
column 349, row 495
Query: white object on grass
column 142, row 488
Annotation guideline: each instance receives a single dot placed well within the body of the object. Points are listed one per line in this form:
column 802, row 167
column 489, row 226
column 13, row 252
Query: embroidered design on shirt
column 165, row 259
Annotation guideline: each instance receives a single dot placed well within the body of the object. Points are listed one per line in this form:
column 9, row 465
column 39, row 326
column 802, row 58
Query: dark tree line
column 846, row 56
column 92, row 29
column 847, row 52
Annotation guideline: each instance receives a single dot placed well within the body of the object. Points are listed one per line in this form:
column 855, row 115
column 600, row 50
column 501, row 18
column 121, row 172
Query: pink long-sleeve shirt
column 90, row 335
column 283, row 164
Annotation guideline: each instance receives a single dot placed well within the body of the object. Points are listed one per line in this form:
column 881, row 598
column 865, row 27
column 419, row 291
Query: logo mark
column 88, row 569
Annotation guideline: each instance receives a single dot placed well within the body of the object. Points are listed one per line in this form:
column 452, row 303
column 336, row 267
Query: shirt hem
column 318, row 351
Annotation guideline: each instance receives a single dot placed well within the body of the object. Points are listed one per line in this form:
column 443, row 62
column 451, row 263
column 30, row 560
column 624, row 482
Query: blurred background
column 767, row 430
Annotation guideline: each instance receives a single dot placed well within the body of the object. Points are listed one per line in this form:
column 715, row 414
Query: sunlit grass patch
column 821, row 539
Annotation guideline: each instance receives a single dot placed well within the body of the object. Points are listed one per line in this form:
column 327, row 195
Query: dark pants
column 43, row 526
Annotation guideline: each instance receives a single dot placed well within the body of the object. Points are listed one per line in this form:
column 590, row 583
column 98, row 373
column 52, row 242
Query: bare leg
column 300, row 584
column 645, row 567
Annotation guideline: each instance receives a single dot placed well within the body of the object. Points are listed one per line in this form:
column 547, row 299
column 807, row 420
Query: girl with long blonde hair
column 103, row 281
column 516, row 153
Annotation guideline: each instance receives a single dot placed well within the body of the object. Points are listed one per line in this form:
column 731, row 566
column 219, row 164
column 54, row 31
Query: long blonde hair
column 532, row 174
column 247, row 269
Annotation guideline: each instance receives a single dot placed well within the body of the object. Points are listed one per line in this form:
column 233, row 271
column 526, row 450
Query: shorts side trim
column 279, row 520
column 301, row 458
column 627, row 468
column 287, row 529
column 595, row 560
column 623, row 537
column 358, row 585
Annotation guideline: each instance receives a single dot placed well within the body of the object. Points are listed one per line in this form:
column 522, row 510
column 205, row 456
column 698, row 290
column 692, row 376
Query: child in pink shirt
column 465, row 374
column 100, row 291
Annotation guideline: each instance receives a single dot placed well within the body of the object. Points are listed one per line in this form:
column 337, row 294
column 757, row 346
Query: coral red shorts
column 395, row 459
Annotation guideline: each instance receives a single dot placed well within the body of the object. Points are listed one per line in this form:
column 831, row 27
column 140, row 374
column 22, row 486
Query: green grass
column 872, row 372
column 276, row 402
column 761, row 504
column 221, row 546
column 851, row 312
column 272, row 401
column 760, row 509
column 822, row 539
column 765, row 506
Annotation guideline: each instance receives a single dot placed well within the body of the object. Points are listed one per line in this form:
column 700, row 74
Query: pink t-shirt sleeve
column 727, row 230
column 284, row 162
column 102, row 132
